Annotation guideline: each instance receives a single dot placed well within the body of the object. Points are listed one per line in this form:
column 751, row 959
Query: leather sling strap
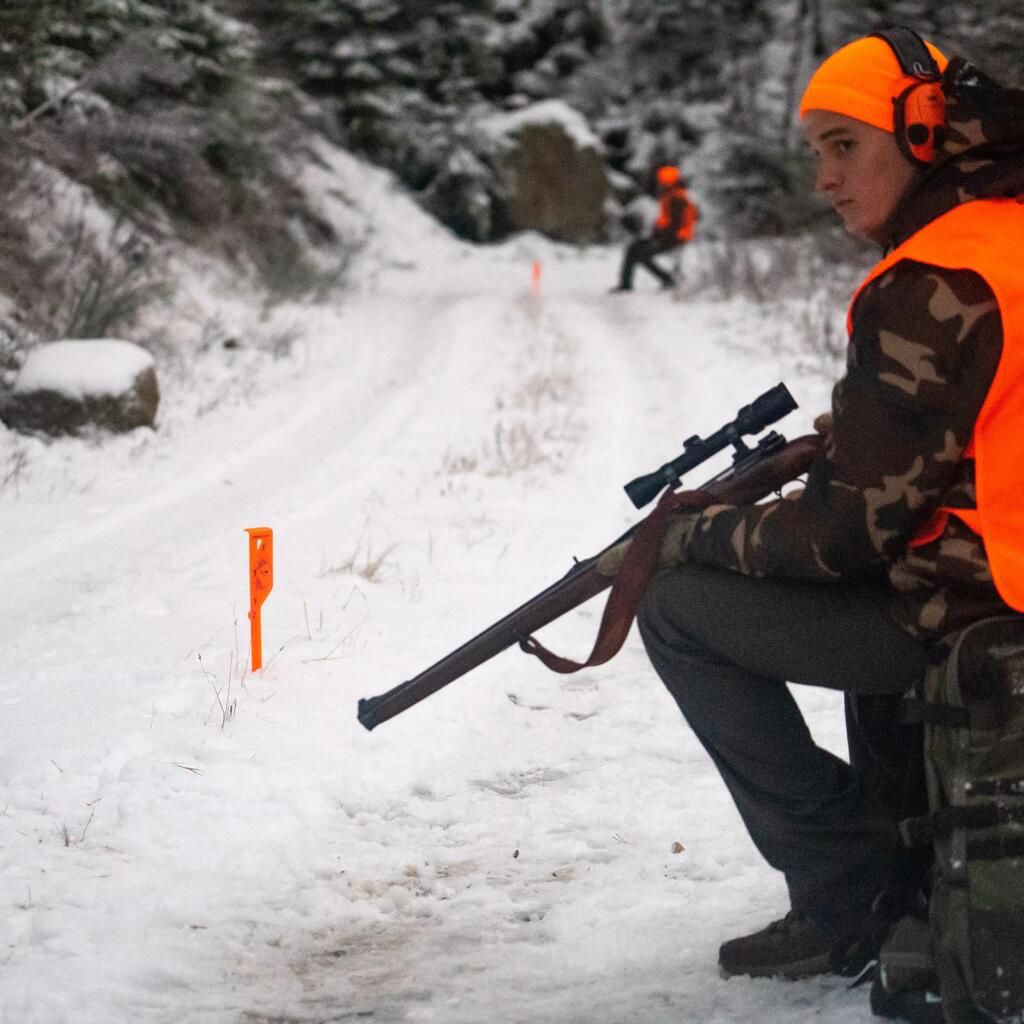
column 631, row 581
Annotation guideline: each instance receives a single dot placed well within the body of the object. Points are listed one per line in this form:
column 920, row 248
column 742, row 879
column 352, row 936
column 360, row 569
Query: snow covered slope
column 185, row 842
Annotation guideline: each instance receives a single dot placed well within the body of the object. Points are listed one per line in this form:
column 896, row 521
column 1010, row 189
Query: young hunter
column 910, row 524
column 673, row 227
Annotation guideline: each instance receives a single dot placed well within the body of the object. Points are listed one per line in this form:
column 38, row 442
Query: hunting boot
column 792, row 947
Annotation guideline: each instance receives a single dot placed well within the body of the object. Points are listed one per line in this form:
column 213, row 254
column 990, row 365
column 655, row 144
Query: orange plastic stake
column 261, row 582
column 535, row 277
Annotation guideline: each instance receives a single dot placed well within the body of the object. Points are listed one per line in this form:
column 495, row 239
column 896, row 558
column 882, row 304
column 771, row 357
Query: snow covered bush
column 159, row 112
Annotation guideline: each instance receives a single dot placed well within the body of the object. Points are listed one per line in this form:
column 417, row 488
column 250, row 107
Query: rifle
column 754, row 474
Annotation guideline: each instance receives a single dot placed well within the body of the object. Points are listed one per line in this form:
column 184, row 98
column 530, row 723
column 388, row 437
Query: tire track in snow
column 347, row 417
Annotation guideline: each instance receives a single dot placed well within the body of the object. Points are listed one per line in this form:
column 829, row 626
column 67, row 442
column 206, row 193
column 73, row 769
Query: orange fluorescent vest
column 685, row 233
column 985, row 235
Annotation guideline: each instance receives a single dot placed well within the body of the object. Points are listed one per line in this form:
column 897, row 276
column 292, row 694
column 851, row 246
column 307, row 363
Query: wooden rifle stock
column 765, row 471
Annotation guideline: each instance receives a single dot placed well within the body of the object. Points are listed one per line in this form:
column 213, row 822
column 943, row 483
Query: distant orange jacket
column 984, row 235
column 671, row 200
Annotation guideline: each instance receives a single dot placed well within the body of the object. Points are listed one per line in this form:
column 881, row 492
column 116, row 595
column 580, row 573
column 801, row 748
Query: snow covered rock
column 558, row 177
column 65, row 386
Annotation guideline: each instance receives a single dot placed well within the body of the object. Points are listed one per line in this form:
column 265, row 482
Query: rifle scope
column 763, row 411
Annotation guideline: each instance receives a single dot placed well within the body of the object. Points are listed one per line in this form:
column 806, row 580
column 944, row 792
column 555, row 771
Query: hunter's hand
column 823, row 424
column 677, row 536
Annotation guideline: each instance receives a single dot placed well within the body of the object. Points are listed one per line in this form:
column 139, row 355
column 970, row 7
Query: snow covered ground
column 185, row 842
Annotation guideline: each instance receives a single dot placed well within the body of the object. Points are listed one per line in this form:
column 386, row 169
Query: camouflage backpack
column 961, row 961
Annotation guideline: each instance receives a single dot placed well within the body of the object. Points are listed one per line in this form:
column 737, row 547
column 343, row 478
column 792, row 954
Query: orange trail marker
column 535, row 277
column 261, row 582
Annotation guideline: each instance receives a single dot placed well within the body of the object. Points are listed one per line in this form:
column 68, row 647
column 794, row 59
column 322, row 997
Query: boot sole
column 792, row 971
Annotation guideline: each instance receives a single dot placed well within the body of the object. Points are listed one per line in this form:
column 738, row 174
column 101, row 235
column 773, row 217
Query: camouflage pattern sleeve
column 925, row 346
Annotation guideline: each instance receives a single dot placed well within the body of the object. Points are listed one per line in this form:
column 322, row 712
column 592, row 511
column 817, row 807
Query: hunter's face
column 861, row 169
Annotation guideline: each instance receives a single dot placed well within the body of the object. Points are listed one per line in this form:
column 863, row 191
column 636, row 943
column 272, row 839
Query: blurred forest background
column 186, row 123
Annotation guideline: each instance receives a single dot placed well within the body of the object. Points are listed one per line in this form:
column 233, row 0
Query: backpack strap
column 941, row 824
column 995, row 787
column 981, row 714
column 999, row 848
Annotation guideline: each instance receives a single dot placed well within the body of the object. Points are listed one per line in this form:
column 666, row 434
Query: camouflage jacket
column 923, row 352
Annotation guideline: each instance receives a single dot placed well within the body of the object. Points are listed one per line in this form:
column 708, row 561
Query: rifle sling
column 631, row 581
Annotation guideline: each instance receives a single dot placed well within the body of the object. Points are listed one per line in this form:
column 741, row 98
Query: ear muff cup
column 919, row 121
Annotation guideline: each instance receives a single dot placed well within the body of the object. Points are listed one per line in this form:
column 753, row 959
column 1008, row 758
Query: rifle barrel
column 581, row 583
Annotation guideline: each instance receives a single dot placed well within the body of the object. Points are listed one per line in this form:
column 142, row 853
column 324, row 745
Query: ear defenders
column 919, row 112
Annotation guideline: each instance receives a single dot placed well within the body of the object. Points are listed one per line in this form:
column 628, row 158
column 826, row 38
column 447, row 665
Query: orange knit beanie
column 861, row 80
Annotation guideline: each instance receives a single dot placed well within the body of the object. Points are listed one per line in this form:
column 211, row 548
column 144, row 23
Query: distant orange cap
column 668, row 175
column 861, row 80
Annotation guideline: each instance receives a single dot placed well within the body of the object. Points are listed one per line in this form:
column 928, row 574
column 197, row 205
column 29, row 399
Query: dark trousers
column 725, row 645
column 643, row 251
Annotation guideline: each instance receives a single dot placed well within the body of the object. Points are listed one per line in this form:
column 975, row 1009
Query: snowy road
column 435, row 450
